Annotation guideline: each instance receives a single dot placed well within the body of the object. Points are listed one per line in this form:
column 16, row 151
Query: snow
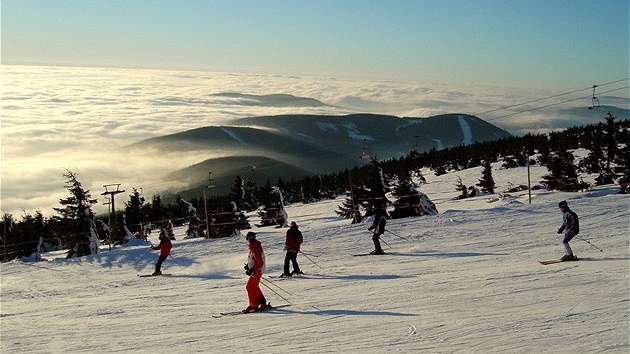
column 464, row 281
column 233, row 135
column 465, row 130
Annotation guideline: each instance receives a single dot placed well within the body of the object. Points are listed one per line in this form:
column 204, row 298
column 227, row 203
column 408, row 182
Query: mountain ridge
column 295, row 144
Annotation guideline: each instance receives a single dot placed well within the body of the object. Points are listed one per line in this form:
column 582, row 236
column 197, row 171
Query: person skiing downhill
column 380, row 219
column 292, row 244
column 254, row 268
column 165, row 250
column 570, row 227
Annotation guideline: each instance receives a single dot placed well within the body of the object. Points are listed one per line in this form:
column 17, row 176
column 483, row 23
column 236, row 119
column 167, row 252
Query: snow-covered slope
column 464, row 281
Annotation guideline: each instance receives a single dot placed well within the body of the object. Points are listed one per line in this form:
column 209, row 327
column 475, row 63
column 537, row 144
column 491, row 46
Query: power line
column 551, row 104
column 554, row 96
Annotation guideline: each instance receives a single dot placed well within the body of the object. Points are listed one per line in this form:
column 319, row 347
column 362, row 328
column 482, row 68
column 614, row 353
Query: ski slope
column 465, row 281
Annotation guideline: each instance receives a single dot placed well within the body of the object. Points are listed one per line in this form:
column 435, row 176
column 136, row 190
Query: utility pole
column 529, row 183
column 4, row 239
column 109, row 190
column 205, row 204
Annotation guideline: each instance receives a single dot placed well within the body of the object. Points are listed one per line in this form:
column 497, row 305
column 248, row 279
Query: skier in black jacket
column 570, row 227
column 378, row 226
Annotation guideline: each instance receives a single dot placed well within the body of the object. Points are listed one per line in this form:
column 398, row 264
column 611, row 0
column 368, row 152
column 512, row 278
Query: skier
column 380, row 219
column 292, row 246
column 169, row 230
column 254, row 268
column 165, row 249
column 570, row 227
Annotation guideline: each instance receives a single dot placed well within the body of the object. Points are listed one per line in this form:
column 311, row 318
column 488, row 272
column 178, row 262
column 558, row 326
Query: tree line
column 77, row 229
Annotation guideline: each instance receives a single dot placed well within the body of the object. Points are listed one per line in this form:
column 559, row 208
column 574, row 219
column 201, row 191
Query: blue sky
column 557, row 44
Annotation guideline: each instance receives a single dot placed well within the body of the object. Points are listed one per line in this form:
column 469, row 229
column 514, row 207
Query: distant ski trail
column 465, row 130
column 234, row 136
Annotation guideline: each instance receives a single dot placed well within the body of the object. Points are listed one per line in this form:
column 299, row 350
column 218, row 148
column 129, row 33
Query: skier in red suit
column 165, row 249
column 254, row 268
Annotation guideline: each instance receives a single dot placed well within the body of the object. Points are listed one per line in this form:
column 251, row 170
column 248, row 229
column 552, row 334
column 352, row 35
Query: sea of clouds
column 80, row 119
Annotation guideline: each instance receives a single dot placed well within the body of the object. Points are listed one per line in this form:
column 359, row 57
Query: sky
column 560, row 44
column 466, row 280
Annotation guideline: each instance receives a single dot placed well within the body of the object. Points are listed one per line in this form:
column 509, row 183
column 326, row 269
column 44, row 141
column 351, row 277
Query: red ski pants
column 254, row 293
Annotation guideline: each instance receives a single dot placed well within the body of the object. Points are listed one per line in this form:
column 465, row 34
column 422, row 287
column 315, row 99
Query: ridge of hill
column 291, row 146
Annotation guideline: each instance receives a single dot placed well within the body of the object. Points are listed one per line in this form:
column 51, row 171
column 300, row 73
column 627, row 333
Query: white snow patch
column 327, row 126
column 353, row 132
column 233, row 135
column 468, row 138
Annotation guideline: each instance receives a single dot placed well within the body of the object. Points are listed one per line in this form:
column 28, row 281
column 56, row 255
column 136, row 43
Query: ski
column 553, row 261
column 369, row 254
column 287, row 277
column 550, row 261
column 151, row 275
column 236, row 313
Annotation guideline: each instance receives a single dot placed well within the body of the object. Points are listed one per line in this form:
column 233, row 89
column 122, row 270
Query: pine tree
column 9, row 241
column 407, row 200
column 377, row 188
column 273, row 213
column 486, row 183
column 611, row 141
column 77, row 209
column 133, row 211
column 563, row 174
column 461, row 187
column 622, row 160
column 238, row 195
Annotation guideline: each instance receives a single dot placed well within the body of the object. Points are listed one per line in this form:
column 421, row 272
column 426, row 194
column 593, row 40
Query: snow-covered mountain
column 464, row 281
column 291, row 146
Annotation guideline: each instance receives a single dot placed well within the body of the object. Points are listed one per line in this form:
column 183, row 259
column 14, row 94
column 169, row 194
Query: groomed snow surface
column 465, row 281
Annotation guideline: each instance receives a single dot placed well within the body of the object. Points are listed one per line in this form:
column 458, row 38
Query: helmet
column 250, row 236
column 563, row 204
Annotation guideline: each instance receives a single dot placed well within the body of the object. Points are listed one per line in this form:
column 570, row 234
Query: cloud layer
column 57, row 118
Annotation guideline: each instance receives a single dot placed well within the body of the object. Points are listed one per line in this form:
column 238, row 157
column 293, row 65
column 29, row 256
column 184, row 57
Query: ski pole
column 579, row 238
column 385, row 242
column 142, row 256
column 406, row 239
column 275, row 292
column 312, row 261
column 309, row 254
column 276, row 285
column 173, row 258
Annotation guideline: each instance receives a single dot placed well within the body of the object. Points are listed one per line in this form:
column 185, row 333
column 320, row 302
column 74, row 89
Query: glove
column 286, row 248
column 249, row 271
column 370, row 229
column 246, row 267
column 560, row 230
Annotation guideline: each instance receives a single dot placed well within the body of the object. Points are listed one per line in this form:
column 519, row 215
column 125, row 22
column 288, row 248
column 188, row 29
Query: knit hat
column 250, row 236
column 563, row 204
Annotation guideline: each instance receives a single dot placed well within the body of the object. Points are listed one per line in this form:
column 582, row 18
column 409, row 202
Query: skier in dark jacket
column 292, row 246
column 165, row 249
column 570, row 227
column 378, row 226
